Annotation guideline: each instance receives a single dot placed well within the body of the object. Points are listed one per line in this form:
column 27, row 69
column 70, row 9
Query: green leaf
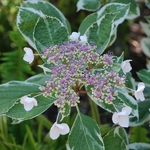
column 38, row 79
column 144, row 113
column 89, row 5
column 116, row 139
column 87, row 22
column 100, row 32
column 85, row 134
column 145, row 44
column 12, row 91
column 130, row 81
column 139, row 146
column 144, row 75
column 47, row 9
column 112, row 8
column 52, row 30
column 134, row 11
column 19, row 114
column 41, row 24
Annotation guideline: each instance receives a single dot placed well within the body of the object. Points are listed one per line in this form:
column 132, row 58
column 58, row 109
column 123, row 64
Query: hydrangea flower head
column 28, row 102
column 58, row 129
column 74, row 65
column 139, row 92
column 29, row 56
column 122, row 118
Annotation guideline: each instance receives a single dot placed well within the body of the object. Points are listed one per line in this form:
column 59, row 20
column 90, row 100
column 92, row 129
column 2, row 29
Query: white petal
column 29, row 56
column 35, row 103
column 127, row 109
column 28, row 102
column 22, row 100
column 124, row 121
column 54, row 132
column 141, row 86
column 83, row 39
column 139, row 95
column 126, row 67
column 115, row 118
column 65, row 129
column 28, row 107
column 74, row 36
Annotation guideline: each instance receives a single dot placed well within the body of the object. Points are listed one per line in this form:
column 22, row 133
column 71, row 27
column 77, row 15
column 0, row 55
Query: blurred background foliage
column 33, row 134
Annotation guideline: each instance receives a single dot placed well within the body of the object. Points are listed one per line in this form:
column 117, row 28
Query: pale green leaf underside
column 38, row 79
column 88, row 136
column 139, row 146
column 89, row 5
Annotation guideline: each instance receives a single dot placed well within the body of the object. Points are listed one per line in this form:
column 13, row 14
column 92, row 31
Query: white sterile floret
column 122, row 118
column 74, row 36
column 139, row 92
column 29, row 56
column 83, row 38
column 58, row 129
column 126, row 66
column 28, row 102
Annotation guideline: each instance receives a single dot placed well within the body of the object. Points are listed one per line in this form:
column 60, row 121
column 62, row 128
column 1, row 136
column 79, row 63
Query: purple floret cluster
column 77, row 65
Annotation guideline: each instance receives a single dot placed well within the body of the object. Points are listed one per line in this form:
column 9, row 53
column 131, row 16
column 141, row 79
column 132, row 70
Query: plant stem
column 94, row 111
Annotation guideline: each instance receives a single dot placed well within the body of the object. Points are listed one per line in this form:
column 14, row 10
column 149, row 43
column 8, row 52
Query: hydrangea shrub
column 75, row 63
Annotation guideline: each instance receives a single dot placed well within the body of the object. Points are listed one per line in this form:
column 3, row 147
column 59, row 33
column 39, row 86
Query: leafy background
column 32, row 134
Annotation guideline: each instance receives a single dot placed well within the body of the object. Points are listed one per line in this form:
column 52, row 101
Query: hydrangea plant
column 75, row 63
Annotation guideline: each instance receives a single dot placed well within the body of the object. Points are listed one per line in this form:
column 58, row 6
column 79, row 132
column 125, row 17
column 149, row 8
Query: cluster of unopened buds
column 76, row 65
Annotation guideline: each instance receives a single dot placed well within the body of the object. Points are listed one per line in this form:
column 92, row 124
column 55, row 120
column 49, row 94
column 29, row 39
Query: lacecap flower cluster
column 77, row 64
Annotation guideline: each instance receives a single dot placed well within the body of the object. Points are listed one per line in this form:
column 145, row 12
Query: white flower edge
column 122, row 118
column 58, row 129
column 126, row 66
column 74, row 36
column 83, row 38
column 139, row 92
column 29, row 56
column 28, row 102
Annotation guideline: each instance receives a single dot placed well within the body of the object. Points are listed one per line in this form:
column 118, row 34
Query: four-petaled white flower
column 139, row 92
column 28, row 102
column 58, row 129
column 83, row 38
column 126, row 66
column 74, row 36
column 29, row 56
column 122, row 118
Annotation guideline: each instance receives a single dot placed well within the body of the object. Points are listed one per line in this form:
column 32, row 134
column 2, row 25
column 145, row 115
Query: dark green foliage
column 13, row 67
column 139, row 134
